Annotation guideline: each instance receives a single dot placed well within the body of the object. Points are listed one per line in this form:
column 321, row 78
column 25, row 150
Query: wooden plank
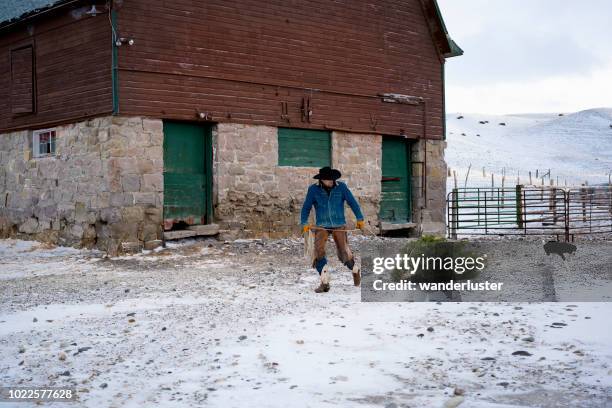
column 22, row 80
column 205, row 230
column 180, row 234
column 236, row 64
column 388, row 226
column 72, row 66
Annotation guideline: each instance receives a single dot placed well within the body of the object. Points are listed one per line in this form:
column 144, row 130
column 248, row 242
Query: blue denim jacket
column 329, row 209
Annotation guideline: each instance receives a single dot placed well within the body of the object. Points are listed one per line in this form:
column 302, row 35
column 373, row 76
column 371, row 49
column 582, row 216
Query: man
column 328, row 197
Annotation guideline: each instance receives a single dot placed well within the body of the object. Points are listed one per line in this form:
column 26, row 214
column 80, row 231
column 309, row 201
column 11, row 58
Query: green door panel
column 187, row 175
column 396, row 197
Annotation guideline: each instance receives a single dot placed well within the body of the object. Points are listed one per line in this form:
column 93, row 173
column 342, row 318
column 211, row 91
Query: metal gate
column 529, row 210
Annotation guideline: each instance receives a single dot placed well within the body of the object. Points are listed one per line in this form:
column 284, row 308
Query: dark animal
column 459, row 117
column 502, row 123
column 559, row 248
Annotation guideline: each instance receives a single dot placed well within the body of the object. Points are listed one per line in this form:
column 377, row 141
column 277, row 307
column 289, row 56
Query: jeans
column 342, row 248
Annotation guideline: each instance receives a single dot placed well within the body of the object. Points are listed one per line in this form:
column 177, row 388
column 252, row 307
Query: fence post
column 519, row 206
column 454, row 213
column 583, row 196
column 553, row 204
column 566, row 203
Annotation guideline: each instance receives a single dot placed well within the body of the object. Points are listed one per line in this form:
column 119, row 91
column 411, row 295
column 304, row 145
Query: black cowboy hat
column 327, row 173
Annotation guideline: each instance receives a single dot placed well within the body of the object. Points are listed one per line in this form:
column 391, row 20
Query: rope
column 333, row 229
column 313, row 227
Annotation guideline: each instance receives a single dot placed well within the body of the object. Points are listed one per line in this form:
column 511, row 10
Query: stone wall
column 359, row 157
column 430, row 214
column 103, row 187
column 254, row 196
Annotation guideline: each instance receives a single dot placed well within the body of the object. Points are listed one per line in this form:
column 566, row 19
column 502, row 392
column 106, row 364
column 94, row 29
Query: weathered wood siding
column 72, row 65
column 242, row 60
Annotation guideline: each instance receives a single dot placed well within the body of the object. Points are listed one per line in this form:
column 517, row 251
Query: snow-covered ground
column 576, row 147
column 205, row 323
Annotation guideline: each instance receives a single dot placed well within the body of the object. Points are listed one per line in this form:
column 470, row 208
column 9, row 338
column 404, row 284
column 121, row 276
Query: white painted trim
column 36, row 142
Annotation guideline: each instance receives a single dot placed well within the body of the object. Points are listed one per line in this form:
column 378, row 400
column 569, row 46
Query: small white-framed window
column 43, row 142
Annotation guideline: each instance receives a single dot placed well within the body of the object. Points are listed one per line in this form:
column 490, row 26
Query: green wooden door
column 302, row 147
column 187, row 173
column 396, row 197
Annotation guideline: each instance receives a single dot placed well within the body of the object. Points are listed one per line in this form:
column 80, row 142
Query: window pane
column 44, row 143
column 52, row 143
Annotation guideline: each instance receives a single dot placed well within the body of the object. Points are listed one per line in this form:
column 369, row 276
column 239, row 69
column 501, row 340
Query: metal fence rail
column 530, row 210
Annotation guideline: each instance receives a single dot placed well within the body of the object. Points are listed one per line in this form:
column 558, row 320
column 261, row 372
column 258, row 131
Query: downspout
column 424, row 172
column 443, row 101
column 114, row 61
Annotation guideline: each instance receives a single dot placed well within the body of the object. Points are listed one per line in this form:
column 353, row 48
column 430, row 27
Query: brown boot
column 356, row 275
column 323, row 287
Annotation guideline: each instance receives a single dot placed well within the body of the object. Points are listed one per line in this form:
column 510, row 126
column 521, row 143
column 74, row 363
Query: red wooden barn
column 126, row 121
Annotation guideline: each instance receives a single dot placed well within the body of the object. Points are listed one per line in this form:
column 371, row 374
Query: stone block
column 131, row 247
column 153, row 125
column 150, row 245
column 130, row 183
column 30, row 226
column 152, row 183
column 145, row 198
column 132, row 214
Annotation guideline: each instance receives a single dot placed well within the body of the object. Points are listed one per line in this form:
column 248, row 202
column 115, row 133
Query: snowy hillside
column 576, row 147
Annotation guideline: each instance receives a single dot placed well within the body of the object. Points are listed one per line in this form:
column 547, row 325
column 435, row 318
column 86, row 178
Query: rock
column 430, row 329
column 156, row 243
column 300, row 341
column 453, row 402
column 65, row 373
column 529, row 339
column 242, row 337
column 103, row 385
column 503, row 384
column 459, row 391
column 82, row 349
column 488, row 359
column 61, row 356
column 521, row 353
column 131, row 314
column 21, row 349
column 34, row 320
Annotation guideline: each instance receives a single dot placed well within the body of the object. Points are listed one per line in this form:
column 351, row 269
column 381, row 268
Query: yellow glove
column 306, row 228
column 361, row 224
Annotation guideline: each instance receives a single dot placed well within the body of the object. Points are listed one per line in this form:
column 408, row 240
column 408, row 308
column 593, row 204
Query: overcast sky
column 529, row 55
